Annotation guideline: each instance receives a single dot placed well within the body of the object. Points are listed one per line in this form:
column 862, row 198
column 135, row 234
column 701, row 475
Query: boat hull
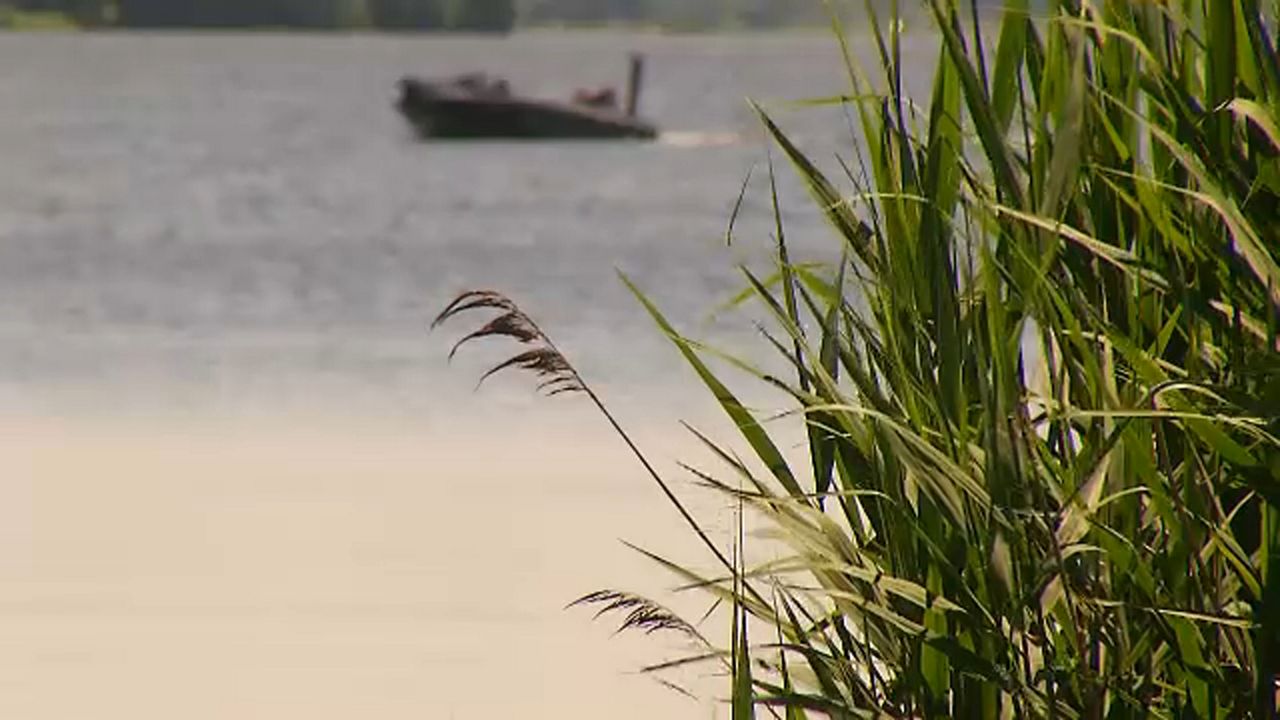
column 458, row 116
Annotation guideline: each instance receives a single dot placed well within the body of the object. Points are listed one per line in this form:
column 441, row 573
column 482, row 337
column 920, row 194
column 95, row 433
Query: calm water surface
column 238, row 478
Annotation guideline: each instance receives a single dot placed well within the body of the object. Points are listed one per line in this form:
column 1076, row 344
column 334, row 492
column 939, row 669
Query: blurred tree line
column 474, row 15
column 477, row 15
column 689, row 14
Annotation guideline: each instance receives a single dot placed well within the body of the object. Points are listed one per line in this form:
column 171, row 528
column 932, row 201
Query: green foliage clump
column 314, row 14
column 482, row 15
column 407, row 14
column 1041, row 391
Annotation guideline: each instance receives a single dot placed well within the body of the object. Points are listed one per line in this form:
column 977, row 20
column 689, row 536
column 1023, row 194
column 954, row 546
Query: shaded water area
column 238, row 478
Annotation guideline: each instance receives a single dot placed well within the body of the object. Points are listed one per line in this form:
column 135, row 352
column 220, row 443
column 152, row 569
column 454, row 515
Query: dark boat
column 475, row 106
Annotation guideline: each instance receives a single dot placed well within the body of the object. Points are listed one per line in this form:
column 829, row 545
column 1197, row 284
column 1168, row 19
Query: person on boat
column 605, row 97
column 481, row 85
column 474, row 83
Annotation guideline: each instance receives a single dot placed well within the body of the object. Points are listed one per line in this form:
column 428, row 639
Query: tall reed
column 1041, row 392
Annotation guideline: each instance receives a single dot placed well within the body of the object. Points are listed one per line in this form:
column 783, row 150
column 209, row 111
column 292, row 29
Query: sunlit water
column 238, row 478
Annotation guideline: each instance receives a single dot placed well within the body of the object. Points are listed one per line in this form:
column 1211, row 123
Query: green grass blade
column 750, row 428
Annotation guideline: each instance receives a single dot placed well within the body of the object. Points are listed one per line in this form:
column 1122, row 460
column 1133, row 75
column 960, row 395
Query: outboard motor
column 410, row 92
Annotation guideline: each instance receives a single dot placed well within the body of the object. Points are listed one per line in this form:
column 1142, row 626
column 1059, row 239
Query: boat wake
column 690, row 139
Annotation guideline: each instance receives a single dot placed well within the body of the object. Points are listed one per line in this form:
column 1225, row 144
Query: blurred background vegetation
column 463, row 15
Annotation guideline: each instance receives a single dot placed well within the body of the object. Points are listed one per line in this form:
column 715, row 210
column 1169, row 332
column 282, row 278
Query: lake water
column 238, row 478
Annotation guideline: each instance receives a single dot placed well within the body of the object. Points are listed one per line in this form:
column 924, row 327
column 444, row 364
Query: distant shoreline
column 31, row 21
column 68, row 26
